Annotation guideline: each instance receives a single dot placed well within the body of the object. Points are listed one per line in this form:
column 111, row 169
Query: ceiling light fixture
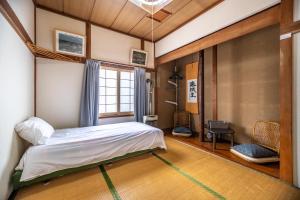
column 151, row 6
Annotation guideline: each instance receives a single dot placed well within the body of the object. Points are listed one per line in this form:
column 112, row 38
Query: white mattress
column 75, row 147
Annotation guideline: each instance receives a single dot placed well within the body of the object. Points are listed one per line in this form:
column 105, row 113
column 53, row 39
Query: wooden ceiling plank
column 174, row 7
column 105, row 11
column 128, row 17
column 116, row 17
column 52, row 4
column 143, row 27
column 93, row 23
column 81, row 8
column 190, row 10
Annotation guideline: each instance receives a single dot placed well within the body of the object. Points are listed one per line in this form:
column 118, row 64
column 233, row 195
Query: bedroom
column 244, row 59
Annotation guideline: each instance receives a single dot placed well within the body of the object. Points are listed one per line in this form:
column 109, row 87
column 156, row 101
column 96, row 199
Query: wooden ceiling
column 123, row 16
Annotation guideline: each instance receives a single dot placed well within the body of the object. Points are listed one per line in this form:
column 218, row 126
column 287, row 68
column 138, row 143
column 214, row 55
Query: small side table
column 218, row 131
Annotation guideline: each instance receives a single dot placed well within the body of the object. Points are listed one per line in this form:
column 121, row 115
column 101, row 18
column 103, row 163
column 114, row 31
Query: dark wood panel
column 214, row 91
column 261, row 20
column 201, row 94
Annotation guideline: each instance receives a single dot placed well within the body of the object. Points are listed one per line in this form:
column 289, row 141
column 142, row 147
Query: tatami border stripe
column 219, row 196
column 110, row 184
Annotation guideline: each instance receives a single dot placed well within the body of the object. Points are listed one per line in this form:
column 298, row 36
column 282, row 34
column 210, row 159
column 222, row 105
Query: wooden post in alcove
column 214, row 84
column 287, row 28
column 201, row 93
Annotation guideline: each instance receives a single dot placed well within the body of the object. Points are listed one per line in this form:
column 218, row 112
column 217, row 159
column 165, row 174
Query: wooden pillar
column 214, row 83
column 286, row 82
column 287, row 28
column 88, row 40
column 142, row 44
column 201, row 93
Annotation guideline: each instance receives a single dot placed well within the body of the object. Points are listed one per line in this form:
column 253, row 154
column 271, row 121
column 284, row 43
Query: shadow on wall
column 15, row 150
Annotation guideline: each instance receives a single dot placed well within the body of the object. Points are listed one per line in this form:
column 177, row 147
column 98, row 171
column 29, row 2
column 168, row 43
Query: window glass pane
column 102, row 91
column 125, row 99
column 132, row 75
column 125, row 83
column 111, row 91
column 102, row 108
column 125, row 75
column 111, row 108
column 111, row 82
column 102, row 82
column 131, row 91
column 111, row 99
column 125, row 91
column 102, row 100
column 132, row 99
column 132, row 84
column 124, row 107
column 111, row 74
column 132, row 107
column 102, row 73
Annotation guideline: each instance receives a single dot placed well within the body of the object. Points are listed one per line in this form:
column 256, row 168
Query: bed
column 70, row 149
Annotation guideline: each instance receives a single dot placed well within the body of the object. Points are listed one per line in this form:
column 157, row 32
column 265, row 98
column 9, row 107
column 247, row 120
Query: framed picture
column 138, row 57
column 69, row 43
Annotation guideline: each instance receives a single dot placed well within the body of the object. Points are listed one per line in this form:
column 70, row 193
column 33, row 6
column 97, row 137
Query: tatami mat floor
column 181, row 172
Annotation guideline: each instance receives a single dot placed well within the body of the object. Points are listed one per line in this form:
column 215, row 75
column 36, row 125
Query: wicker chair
column 266, row 135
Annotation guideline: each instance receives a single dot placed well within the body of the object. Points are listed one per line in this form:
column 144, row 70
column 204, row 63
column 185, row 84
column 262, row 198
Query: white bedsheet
column 75, row 147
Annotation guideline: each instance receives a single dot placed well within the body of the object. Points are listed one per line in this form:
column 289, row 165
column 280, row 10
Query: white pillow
column 34, row 130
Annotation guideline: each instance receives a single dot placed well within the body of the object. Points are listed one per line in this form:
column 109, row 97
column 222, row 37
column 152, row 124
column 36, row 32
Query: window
column 116, row 92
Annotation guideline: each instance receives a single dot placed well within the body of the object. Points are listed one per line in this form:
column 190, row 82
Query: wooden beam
column 214, row 83
column 256, row 22
column 12, row 18
column 201, row 94
column 88, row 40
column 286, row 93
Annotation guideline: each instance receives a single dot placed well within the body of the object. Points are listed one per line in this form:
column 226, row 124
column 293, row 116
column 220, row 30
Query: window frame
column 118, row 113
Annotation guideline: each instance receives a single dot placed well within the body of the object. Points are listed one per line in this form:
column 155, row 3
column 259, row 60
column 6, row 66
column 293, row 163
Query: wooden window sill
column 116, row 115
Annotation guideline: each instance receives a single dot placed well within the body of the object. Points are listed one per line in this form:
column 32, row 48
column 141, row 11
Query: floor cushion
column 182, row 131
column 255, row 153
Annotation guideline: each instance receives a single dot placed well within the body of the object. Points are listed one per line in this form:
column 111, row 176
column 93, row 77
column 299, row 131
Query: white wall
column 58, row 92
column 59, row 83
column 25, row 12
column 223, row 15
column 112, row 46
column 47, row 22
column 16, row 100
column 149, row 47
column 296, row 108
